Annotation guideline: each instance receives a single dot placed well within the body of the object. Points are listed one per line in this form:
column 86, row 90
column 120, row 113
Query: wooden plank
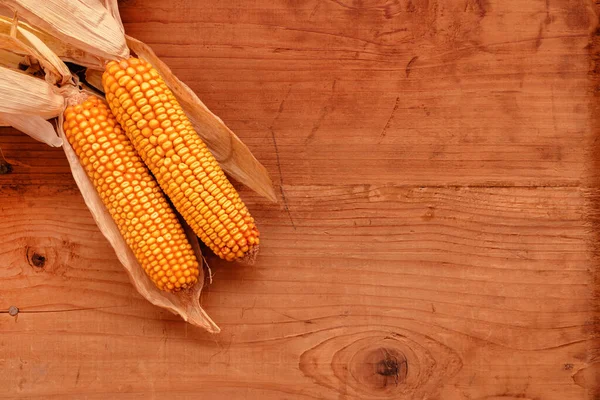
column 481, row 292
column 437, row 236
column 411, row 92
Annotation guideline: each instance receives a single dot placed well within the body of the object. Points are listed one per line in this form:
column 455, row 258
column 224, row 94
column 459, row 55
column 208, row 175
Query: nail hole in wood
column 13, row 311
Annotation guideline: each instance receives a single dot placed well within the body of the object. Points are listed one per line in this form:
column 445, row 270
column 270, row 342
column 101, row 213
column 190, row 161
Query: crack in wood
column 274, row 138
column 409, row 65
column 329, row 107
column 387, row 124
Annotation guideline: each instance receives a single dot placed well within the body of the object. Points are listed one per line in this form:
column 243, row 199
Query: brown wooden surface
column 437, row 232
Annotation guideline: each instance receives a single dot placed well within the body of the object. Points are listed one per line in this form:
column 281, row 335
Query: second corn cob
column 179, row 159
column 131, row 195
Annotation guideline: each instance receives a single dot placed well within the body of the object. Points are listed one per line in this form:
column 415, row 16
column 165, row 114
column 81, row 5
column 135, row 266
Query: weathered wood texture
column 438, row 230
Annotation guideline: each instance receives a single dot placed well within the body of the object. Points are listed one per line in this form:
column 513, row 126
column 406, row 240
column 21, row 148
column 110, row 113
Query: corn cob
column 182, row 164
column 131, row 195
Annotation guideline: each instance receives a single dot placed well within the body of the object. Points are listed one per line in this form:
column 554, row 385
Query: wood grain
column 438, row 226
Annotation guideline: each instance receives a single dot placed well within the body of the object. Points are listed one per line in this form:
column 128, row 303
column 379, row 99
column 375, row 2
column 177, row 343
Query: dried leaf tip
column 34, row 126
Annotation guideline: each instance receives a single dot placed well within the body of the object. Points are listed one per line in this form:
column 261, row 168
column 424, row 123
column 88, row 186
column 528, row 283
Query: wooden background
column 438, row 228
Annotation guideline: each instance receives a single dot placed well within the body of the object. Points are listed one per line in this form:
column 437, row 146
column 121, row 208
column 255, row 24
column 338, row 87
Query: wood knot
column 35, row 259
column 393, row 365
column 50, row 256
column 379, row 363
column 380, row 368
column 5, row 168
column 388, row 367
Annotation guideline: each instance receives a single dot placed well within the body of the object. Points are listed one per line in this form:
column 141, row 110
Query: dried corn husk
column 94, row 78
column 8, row 59
column 84, row 23
column 46, row 56
column 63, row 50
column 186, row 304
column 14, row 45
column 233, row 155
column 26, row 100
column 29, row 45
column 34, row 126
column 24, row 94
column 113, row 7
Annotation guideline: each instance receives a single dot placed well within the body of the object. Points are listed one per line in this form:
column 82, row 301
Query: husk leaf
column 14, row 45
column 85, row 24
column 11, row 44
column 24, row 94
column 113, row 7
column 231, row 153
column 34, row 126
column 94, row 78
column 49, row 58
column 28, row 44
column 186, row 304
column 64, row 50
column 8, row 59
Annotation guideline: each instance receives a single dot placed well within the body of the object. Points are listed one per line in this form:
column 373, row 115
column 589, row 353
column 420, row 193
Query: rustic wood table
column 437, row 231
